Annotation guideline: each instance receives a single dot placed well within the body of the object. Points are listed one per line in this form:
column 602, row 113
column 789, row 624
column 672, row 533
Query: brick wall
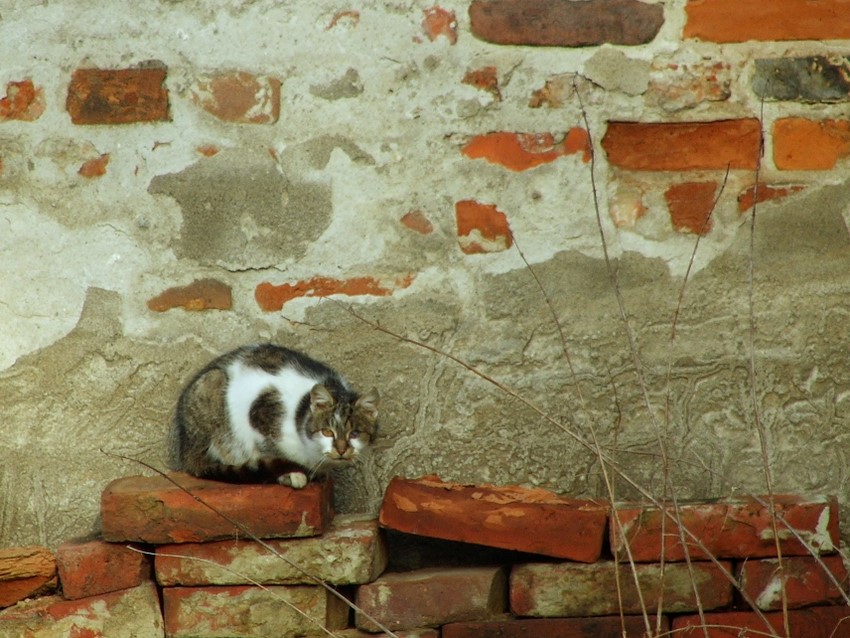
column 170, row 193
column 442, row 559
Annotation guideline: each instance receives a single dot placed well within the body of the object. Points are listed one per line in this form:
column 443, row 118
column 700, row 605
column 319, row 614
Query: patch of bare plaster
column 239, row 212
column 348, row 86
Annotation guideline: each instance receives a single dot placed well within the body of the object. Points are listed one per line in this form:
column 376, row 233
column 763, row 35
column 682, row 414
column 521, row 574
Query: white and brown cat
column 264, row 411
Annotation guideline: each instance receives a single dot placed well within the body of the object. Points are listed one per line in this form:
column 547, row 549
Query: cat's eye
column 354, row 434
column 327, row 432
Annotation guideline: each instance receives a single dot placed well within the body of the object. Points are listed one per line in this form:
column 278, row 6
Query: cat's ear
column 368, row 404
column 320, row 398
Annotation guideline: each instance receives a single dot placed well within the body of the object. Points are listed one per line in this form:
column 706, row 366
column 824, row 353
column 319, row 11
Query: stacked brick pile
column 177, row 565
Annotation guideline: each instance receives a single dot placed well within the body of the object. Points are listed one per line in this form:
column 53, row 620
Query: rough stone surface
column 613, row 70
column 601, row 627
column 805, row 581
column 496, row 516
column 567, row 589
column 732, row 529
column 129, row 613
column 815, row 78
column 351, row 551
column 24, row 572
column 213, row 612
column 157, row 510
column 93, row 567
column 565, row 24
column 431, row 597
column 814, row 622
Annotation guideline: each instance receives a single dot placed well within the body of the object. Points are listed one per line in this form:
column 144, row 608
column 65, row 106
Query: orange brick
column 432, row 597
column 154, row 510
column 239, row 97
column 810, row 145
column 496, row 517
column 764, row 193
column 201, row 294
column 272, row 298
column 24, row 572
column 731, row 529
column 440, row 22
column 23, row 101
column 122, row 96
column 742, row 20
column 802, row 577
column 599, row 627
column 481, row 228
column 94, row 567
column 684, row 146
column 690, row 205
column 814, row 622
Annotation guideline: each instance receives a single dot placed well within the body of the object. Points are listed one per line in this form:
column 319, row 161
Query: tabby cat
column 265, row 412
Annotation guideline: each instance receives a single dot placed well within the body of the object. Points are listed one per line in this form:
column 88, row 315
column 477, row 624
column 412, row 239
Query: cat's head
column 343, row 428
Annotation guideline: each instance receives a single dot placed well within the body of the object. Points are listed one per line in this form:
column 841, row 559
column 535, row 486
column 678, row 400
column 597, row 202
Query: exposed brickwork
column 565, row 24
column 25, row 572
column 601, row 627
column 418, row 221
column 481, row 228
column 691, row 205
column 440, row 22
column 497, row 517
column 805, row 581
column 121, row 96
column 93, row 567
column 210, row 612
column 521, row 151
column 742, row 20
column 800, row 144
column 154, row 510
column 358, row 550
column 432, row 597
column 684, row 146
column 23, row 101
column 95, row 167
column 201, row 294
column 239, row 97
column 486, row 79
column 271, row 298
column 814, row 622
column 735, row 529
column 765, row 193
column 571, row 589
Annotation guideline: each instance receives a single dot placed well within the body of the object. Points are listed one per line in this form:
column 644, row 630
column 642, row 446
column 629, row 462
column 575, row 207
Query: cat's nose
column 341, row 446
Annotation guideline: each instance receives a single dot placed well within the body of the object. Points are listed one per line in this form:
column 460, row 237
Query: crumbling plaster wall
column 373, row 119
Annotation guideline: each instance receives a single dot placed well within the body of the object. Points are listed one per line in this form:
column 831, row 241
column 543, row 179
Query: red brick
column 356, row 545
column 600, row 627
column 690, row 205
column 481, row 228
column 239, row 97
column 129, row 613
column 732, row 529
column 271, row 298
column 432, row 597
column 565, row 24
column 23, row 101
column 95, row 167
column 496, row 517
column 94, row 567
column 25, row 572
column 573, row 589
column 679, row 146
column 486, row 78
column 121, row 96
column 521, row 151
column 810, row 145
column 805, row 581
column 213, row 612
column 416, row 220
column 742, row 20
column 440, row 22
column 201, row 294
column 814, row 622
column 154, row 510
column 765, row 193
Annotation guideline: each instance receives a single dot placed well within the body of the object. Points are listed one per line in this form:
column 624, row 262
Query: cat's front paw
column 295, row 480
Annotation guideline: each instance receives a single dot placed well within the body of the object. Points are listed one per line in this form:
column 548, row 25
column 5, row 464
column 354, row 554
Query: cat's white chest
column 245, row 384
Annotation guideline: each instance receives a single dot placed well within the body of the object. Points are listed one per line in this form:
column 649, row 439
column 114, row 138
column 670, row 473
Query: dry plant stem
column 762, row 434
column 609, row 485
column 250, row 580
column 249, row 534
column 639, row 372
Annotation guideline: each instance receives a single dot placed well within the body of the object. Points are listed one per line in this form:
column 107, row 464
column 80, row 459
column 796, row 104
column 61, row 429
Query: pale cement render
column 373, row 117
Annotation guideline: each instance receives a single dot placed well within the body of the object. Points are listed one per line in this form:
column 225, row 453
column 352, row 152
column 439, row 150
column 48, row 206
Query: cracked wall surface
column 413, row 179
